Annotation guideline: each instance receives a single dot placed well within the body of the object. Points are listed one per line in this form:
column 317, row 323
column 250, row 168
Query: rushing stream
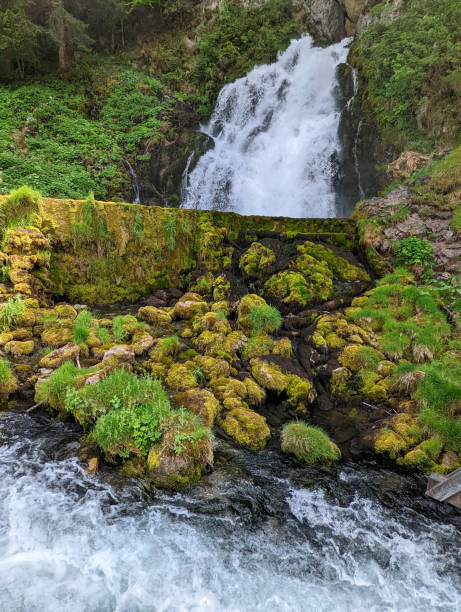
column 276, row 141
column 257, row 534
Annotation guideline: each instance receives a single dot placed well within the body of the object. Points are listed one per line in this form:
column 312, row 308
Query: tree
column 19, row 39
column 69, row 32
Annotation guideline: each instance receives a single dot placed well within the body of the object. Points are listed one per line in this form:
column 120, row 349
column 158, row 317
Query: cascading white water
column 245, row 540
column 276, row 135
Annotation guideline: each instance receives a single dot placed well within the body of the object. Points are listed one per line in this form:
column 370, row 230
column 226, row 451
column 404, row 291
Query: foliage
column 408, row 317
column 54, row 389
column 92, row 229
column 10, row 311
column 18, row 208
column 438, row 391
column 170, row 231
column 118, row 329
column 237, row 39
column 82, row 326
column 413, row 250
column 264, row 319
column 5, row 371
column 92, row 401
column 309, row 444
column 411, row 65
column 59, row 149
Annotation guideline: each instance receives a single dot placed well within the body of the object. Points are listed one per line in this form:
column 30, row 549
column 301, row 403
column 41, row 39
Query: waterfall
column 276, row 138
column 134, row 181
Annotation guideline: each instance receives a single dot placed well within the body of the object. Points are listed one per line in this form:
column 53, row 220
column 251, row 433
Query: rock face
column 328, row 18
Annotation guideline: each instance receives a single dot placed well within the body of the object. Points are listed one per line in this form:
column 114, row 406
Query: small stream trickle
column 256, row 534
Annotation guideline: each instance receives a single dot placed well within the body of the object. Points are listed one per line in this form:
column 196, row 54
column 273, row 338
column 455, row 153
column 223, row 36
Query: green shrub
column 118, row 329
column 82, row 327
column 102, row 334
column 10, row 311
column 53, row 390
column 5, row 371
column 92, row 229
column 92, row 401
column 413, row 250
column 264, row 319
column 18, row 208
column 409, row 62
column 309, row 444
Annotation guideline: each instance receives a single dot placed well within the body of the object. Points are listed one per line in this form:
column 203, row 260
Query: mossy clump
column 8, row 381
column 52, row 391
column 398, row 440
column 184, row 451
column 295, row 289
column 300, row 392
column 19, row 348
column 246, row 305
column 268, row 375
column 283, row 348
column 309, row 444
column 181, row 376
column 190, row 305
column 339, row 267
column 202, row 403
column 18, row 208
column 257, row 261
column 154, row 316
column 246, row 427
column 11, row 311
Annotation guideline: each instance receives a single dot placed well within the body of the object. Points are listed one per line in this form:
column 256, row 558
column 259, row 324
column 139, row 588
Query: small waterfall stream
column 134, row 182
column 276, row 140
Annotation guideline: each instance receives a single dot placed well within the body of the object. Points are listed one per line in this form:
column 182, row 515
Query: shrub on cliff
column 18, row 208
column 10, row 311
column 309, row 444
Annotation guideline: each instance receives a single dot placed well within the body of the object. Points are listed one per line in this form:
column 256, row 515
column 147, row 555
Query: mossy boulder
column 246, row 427
column 257, row 345
column 397, row 440
column 212, row 321
column 56, row 358
column 201, row 402
column 246, row 305
column 283, row 347
column 19, row 348
column 65, row 311
column 154, row 316
column 309, row 444
column 257, row 261
column 339, row 267
column 256, row 395
column 268, row 375
column 118, row 355
column 141, row 342
column 300, row 392
column 190, row 305
column 8, row 381
column 181, row 377
column 212, row 368
column 57, row 336
column 165, row 349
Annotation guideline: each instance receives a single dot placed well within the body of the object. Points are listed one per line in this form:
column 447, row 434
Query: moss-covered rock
column 56, row 358
column 201, row 402
column 141, row 341
column 246, row 305
column 19, row 348
column 309, row 444
column 65, row 311
column 256, row 395
column 154, row 316
column 283, row 347
column 300, row 392
column 190, row 305
column 246, row 427
column 257, row 261
column 181, row 377
column 268, row 375
column 57, row 336
column 212, row 368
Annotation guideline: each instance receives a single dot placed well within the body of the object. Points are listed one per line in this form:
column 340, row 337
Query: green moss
column 268, row 375
column 11, row 311
column 8, row 382
column 309, row 444
column 257, row 261
column 246, row 427
column 300, row 392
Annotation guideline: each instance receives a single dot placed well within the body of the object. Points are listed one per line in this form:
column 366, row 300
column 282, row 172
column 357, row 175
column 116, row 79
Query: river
column 257, row 534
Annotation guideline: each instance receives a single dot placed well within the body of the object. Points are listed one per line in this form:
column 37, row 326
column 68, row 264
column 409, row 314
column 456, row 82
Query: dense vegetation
column 88, row 85
column 410, row 67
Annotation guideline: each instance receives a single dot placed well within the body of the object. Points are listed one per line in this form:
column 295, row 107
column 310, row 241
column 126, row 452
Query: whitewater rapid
column 275, row 134
column 244, row 540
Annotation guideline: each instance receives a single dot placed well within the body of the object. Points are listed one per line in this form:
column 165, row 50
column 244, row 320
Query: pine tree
column 69, row 32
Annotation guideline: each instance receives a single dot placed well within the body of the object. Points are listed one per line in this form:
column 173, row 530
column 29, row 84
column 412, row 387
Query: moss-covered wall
column 128, row 251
